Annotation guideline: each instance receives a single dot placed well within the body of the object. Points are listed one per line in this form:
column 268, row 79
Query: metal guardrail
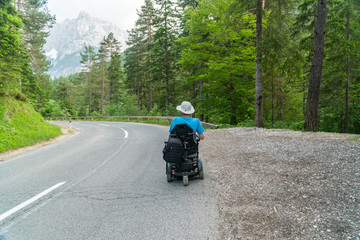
column 100, row 118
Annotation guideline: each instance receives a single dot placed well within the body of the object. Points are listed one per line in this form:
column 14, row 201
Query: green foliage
column 21, row 126
column 219, row 54
column 52, row 109
column 12, row 58
column 37, row 22
column 95, row 114
column 121, row 109
column 204, row 52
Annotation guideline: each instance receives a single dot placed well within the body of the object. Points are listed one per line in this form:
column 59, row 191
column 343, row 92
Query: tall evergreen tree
column 313, row 98
column 282, row 66
column 259, row 122
column 145, row 24
column 165, row 47
column 13, row 61
column 37, row 22
column 335, row 111
column 103, row 56
column 116, row 74
column 134, row 64
column 219, row 50
column 87, row 61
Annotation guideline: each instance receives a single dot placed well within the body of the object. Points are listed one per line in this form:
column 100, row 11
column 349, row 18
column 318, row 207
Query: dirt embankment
column 282, row 184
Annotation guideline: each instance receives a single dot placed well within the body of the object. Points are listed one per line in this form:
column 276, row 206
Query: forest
column 264, row 63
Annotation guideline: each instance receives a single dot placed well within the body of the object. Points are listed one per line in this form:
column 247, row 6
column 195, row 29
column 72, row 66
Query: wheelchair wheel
column 168, row 172
column 186, row 180
column 169, row 177
column 201, row 174
column 201, row 170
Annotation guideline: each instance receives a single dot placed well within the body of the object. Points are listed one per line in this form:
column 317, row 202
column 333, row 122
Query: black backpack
column 173, row 150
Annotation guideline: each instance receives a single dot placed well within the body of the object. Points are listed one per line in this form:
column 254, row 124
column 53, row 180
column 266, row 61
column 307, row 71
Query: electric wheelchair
column 181, row 153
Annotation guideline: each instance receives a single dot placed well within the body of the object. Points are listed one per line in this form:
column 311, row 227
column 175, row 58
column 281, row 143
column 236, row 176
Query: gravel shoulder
column 283, row 184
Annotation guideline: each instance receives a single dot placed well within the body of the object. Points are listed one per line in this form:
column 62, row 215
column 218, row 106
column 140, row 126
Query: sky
column 121, row 12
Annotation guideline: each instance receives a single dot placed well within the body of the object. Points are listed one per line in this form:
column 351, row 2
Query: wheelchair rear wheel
column 168, row 172
column 201, row 169
column 186, row 180
column 169, row 177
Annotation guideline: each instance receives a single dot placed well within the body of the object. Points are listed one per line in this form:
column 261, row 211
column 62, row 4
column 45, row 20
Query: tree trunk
column 167, row 97
column 280, row 98
column 102, row 85
column 279, row 80
column 313, row 98
column 90, row 90
column 150, row 73
column 347, row 97
column 111, row 83
column 272, row 101
column 259, row 122
column 200, row 98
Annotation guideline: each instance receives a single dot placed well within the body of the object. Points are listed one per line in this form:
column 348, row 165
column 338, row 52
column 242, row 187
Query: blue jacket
column 194, row 123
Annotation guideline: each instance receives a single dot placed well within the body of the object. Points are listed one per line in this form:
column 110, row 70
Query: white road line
column 126, row 132
column 31, row 200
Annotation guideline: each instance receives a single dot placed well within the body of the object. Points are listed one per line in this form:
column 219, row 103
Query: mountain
column 68, row 39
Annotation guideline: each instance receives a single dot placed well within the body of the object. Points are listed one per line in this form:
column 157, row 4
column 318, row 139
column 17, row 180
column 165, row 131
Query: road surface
column 106, row 182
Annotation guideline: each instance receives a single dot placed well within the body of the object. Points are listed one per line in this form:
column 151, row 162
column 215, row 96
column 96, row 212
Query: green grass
column 355, row 138
column 21, row 125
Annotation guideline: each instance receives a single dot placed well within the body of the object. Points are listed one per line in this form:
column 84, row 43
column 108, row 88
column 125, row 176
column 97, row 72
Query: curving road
column 107, row 182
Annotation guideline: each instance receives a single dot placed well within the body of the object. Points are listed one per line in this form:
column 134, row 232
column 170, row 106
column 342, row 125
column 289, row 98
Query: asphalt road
column 106, row 182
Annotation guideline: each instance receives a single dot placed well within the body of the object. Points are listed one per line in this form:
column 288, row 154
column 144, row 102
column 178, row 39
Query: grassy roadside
column 21, row 125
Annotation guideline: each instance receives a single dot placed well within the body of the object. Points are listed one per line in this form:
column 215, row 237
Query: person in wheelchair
column 181, row 150
column 186, row 110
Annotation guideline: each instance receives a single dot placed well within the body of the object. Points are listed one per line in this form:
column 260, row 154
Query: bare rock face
column 68, row 39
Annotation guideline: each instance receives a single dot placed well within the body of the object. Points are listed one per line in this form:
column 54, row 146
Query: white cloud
column 52, row 54
column 121, row 12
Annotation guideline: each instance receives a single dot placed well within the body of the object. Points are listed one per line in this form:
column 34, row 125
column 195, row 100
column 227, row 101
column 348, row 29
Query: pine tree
column 339, row 72
column 259, row 122
column 114, row 49
column 145, row 24
column 116, row 74
column 282, row 66
column 14, row 62
column 37, row 22
column 313, row 98
column 134, row 64
column 165, row 48
column 219, row 50
column 87, row 61
column 102, row 56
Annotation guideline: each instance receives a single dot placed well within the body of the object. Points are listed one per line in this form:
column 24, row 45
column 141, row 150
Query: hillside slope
column 21, row 125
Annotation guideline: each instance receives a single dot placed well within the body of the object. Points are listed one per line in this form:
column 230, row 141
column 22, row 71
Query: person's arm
column 202, row 136
column 200, row 130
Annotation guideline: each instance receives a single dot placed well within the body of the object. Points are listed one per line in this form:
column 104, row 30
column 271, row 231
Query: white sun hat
column 186, row 108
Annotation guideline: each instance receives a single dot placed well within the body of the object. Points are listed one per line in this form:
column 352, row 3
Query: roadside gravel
column 283, row 184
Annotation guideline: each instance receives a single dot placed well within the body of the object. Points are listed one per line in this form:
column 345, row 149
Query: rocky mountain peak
column 84, row 14
column 67, row 39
